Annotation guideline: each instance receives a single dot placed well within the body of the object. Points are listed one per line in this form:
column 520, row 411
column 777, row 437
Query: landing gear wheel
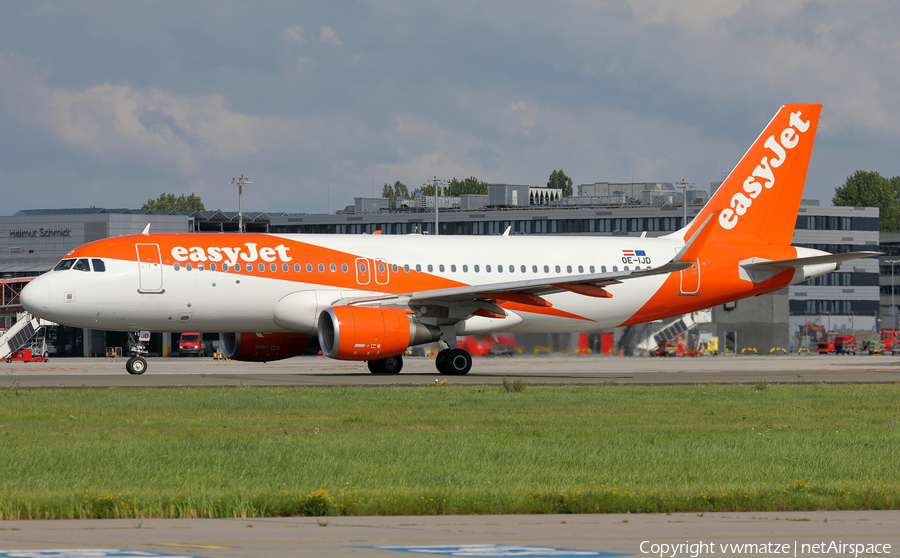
column 389, row 365
column 374, row 366
column 136, row 366
column 453, row 362
column 392, row 364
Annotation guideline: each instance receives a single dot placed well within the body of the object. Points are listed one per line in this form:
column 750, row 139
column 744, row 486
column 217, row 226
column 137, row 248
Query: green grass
column 447, row 449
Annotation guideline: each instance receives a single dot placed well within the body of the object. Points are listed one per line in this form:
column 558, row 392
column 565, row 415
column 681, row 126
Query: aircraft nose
column 35, row 296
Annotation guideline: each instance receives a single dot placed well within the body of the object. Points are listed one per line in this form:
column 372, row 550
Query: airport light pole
column 240, row 181
column 893, row 306
column 437, row 185
column 683, row 186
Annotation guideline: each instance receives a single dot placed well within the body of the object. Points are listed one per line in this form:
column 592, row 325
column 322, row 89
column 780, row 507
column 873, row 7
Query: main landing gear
column 137, row 364
column 389, row 365
column 453, row 362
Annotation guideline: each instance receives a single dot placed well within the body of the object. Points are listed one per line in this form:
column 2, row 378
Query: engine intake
column 364, row 333
column 262, row 347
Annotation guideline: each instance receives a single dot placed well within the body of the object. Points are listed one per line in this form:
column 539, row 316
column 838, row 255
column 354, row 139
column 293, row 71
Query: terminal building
column 852, row 299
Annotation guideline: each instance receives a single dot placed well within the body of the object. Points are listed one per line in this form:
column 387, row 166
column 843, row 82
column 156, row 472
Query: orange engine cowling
column 363, row 333
column 262, row 347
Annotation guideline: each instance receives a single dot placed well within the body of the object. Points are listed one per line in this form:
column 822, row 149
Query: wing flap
column 782, row 265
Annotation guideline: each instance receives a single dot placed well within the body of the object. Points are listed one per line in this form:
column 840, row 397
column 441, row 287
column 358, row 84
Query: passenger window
column 284, row 268
column 534, row 269
column 362, row 268
column 602, row 269
column 465, row 268
column 592, row 269
column 394, row 268
column 546, row 269
column 309, row 268
column 487, row 269
column 418, row 268
column 99, row 266
column 176, row 266
column 212, row 267
column 261, row 267
column 475, row 268
column 580, row 269
column 82, row 265
column 200, row 267
column 615, row 268
column 512, row 268
column 626, row 268
column 558, row 270
column 441, row 268
column 64, row 265
column 224, row 267
column 522, row 269
column 381, row 268
column 406, row 268
column 321, row 268
column 345, row 269
column 430, row 268
column 237, row 267
column 568, row 269
column 188, row 266
column 499, row 269
column 453, row 268
column 333, row 268
column 297, row 268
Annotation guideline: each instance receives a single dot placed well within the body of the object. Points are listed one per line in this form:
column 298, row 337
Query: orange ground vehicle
column 29, row 353
column 485, row 345
column 838, row 344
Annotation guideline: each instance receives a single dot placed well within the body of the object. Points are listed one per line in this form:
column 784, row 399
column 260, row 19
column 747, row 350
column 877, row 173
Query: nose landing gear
column 137, row 364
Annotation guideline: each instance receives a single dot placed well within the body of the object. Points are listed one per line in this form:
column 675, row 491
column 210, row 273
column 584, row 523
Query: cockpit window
column 82, row 265
column 98, row 265
column 64, row 265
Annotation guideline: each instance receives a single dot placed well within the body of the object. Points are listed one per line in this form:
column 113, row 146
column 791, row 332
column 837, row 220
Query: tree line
column 870, row 189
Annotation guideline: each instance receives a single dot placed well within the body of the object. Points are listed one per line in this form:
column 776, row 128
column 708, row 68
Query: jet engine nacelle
column 365, row 333
column 262, row 347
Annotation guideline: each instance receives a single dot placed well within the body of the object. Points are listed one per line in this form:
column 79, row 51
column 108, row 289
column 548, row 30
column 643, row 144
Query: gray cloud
column 111, row 103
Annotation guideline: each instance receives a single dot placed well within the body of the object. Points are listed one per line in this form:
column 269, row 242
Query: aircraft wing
column 526, row 291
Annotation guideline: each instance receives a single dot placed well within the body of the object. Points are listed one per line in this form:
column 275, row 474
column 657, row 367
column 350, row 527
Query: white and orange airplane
column 370, row 297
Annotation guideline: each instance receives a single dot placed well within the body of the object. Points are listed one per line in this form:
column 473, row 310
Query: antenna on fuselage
column 146, row 230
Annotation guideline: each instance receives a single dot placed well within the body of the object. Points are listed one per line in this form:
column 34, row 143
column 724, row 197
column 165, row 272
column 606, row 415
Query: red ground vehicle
column 29, row 354
column 190, row 344
column 484, row 345
column 838, row 344
column 890, row 338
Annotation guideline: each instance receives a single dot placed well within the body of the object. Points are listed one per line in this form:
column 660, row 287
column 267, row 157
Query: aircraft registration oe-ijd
column 370, row 297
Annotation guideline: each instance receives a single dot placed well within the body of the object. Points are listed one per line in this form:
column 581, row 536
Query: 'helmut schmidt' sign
column 38, row 233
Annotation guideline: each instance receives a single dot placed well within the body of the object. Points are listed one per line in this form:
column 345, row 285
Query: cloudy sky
column 110, row 103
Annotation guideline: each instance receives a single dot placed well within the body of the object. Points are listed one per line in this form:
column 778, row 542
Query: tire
column 457, row 362
column 136, row 366
column 392, row 364
column 440, row 360
column 375, row 366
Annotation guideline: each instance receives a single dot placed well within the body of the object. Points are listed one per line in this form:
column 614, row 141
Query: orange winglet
column 528, row 300
column 377, row 232
column 586, row 290
column 488, row 314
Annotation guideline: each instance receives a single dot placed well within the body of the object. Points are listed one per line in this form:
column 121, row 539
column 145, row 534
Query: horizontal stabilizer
column 781, row 265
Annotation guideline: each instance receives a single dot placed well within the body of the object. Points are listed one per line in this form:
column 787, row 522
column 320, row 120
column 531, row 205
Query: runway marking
column 497, row 551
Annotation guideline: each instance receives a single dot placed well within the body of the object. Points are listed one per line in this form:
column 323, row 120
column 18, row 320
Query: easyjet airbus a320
column 369, row 297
